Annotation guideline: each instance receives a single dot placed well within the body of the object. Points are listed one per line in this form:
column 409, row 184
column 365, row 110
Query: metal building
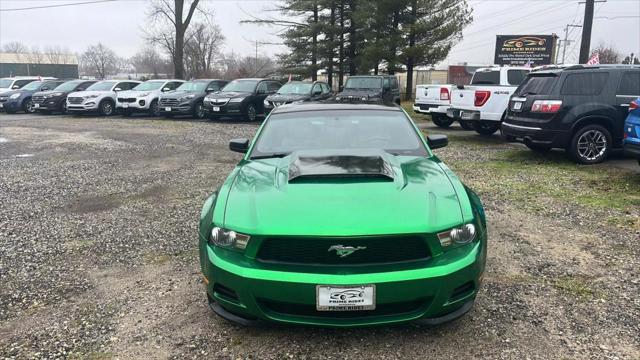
column 62, row 66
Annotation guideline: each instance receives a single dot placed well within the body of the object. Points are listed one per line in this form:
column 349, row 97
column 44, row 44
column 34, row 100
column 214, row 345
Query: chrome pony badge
column 344, row 251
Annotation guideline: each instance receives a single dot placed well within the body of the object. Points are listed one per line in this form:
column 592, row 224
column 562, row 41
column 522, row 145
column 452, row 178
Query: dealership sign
column 523, row 49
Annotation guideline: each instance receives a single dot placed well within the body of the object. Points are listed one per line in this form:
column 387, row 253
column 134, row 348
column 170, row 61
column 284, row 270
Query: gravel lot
column 98, row 251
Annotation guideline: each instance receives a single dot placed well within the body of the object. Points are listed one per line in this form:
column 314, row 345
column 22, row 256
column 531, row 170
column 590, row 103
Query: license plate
column 125, row 105
column 345, row 298
column 517, row 105
column 167, row 109
column 36, row 105
column 216, row 108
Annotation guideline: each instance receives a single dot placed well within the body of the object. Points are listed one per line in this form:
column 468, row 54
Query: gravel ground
column 98, row 255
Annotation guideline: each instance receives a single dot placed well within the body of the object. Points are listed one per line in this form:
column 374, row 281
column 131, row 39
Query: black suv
column 579, row 108
column 56, row 100
column 370, row 89
column 187, row 98
column 296, row 92
column 241, row 97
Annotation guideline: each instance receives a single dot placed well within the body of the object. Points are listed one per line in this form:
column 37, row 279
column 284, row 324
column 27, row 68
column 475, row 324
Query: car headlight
column 14, row 96
column 236, row 99
column 459, row 235
column 187, row 97
column 228, row 238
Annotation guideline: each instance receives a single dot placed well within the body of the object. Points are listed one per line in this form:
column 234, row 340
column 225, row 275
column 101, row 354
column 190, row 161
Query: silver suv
column 144, row 97
column 99, row 97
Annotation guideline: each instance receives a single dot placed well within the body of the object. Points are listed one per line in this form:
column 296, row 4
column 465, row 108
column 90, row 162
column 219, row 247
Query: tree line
column 350, row 37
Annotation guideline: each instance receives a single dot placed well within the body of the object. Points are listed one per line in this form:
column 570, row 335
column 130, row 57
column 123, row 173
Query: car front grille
column 38, row 99
column 316, row 251
column 294, row 309
column 126, row 100
column 75, row 100
column 217, row 102
column 168, row 101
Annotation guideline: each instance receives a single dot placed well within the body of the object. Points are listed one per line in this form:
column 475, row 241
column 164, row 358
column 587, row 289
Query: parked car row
column 581, row 109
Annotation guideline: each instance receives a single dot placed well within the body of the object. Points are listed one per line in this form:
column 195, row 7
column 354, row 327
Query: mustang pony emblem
column 344, row 251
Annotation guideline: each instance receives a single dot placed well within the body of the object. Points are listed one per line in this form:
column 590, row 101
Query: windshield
column 149, row 85
column 68, row 86
column 101, row 86
column 486, row 78
column 363, row 83
column 33, row 85
column 198, row 86
column 338, row 130
column 295, row 89
column 241, row 85
column 5, row 83
column 537, row 85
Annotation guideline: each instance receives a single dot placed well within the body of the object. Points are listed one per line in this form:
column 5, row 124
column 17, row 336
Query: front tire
column 106, row 108
column 154, row 108
column 486, row 128
column 27, row 107
column 441, row 120
column 198, row 111
column 250, row 113
column 590, row 145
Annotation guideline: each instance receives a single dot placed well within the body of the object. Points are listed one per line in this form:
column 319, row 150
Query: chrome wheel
column 29, row 108
column 107, row 108
column 592, row 145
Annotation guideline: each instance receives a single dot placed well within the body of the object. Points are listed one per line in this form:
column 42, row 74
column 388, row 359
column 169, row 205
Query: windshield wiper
column 269, row 156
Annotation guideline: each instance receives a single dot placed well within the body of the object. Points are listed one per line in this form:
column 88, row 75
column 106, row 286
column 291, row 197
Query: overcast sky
column 118, row 25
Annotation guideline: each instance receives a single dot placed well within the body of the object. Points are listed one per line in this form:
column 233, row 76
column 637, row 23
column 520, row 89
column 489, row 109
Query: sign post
column 525, row 49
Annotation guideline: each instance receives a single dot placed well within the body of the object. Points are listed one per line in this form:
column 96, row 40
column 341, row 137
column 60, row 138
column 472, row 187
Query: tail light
column 481, row 97
column 444, row 94
column 546, row 106
column 632, row 105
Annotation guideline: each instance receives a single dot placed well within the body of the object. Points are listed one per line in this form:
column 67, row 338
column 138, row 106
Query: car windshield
column 363, row 83
column 241, row 86
column 68, row 86
column 198, row 86
column 149, row 85
column 486, row 78
column 338, row 130
column 5, row 83
column 33, row 85
column 101, row 86
column 295, row 89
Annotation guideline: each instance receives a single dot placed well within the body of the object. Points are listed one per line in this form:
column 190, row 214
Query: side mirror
column 165, row 89
column 117, row 89
column 210, row 90
column 437, row 141
column 239, row 145
column 44, row 88
column 15, row 87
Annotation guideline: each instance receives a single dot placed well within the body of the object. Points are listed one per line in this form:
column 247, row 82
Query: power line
column 57, row 5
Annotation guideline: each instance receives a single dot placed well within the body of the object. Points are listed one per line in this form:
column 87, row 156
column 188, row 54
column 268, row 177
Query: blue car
column 632, row 130
column 20, row 100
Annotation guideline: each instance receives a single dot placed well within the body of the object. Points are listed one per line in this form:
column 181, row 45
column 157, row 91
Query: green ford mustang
column 340, row 215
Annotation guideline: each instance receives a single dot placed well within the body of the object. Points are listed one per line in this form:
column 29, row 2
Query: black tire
column 467, row 125
column 154, row 108
column 27, row 106
column 63, row 108
column 198, row 111
column 590, row 144
column 539, row 148
column 441, row 120
column 250, row 113
column 486, row 128
column 106, row 108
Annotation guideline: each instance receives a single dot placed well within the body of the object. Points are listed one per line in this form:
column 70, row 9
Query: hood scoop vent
column 353, row 164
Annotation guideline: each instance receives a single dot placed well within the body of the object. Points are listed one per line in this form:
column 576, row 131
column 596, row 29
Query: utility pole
column 585, row 43
column 566, row 41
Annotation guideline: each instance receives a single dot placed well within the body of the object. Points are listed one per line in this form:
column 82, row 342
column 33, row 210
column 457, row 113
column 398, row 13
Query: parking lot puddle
column 3, row 140
column 24, row 155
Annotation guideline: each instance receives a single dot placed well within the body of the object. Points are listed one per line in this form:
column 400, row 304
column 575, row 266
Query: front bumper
column 430, row 108
column 181, row 108
column 441, row 291
column 50, row 104
column 227, row 109
column 11, row 105
column 532, row 134
column 139, row 104
column 89, row 105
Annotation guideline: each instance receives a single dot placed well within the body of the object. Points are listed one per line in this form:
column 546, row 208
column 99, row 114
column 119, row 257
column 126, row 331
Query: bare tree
column 236, row 67
column 56, row 54
column 149, row 61
column 35, row 56
column 15, row 47
column 607, row 54
column 171, row 27
column 201, row 49
column 99, row 60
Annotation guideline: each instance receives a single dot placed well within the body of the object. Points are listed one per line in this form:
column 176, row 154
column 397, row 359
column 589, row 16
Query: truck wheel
column 467, row 125
column 590, row 144
column 486, row 128
column 250, row 113
column 106, row 108
column 441, row 120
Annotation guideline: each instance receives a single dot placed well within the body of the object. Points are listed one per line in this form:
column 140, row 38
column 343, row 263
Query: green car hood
column 420, row 198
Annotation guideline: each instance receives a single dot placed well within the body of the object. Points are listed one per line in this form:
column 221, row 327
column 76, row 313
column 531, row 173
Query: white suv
column 144, row 97
column 99, row 97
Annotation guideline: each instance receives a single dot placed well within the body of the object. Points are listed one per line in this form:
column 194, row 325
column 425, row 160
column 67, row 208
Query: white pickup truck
column 434, row 100
column 484, row 102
